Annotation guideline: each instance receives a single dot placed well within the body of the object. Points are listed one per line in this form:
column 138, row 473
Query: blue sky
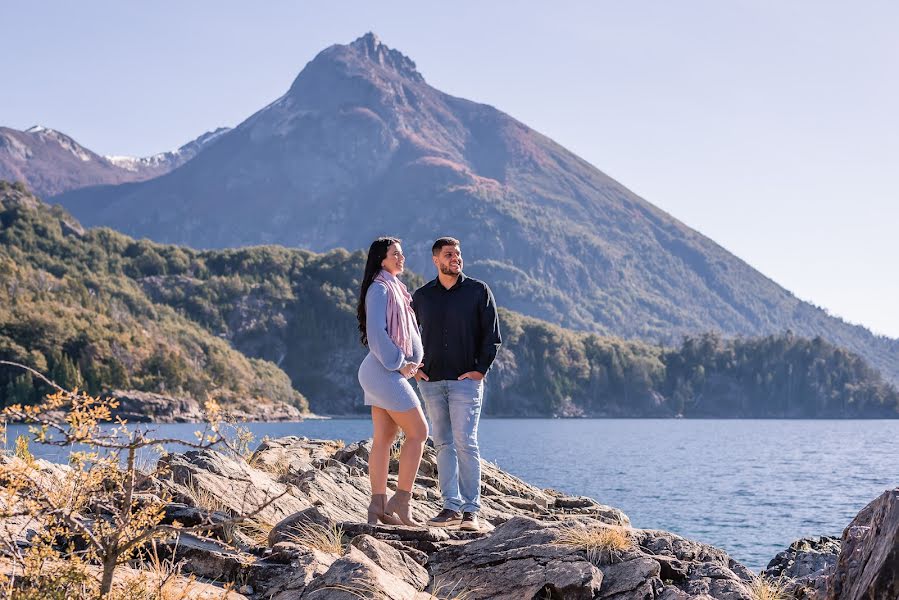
column 769, row 126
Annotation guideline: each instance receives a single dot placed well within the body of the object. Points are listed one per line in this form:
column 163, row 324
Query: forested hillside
column 98, row 309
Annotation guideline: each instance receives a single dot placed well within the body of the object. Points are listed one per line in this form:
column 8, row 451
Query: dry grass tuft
column 357, row 589
column 397, row 447
column 255, row 530
column 277, row 469
column 157, row 580
column 766, row 588
column 318, row 537
column 446, row 590
column 599, row 541
column 203, row 498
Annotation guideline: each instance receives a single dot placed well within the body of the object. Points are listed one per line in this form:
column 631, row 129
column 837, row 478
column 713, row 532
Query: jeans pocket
column 475, row 389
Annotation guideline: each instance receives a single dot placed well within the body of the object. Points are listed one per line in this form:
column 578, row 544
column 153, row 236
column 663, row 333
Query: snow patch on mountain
column 171, row 159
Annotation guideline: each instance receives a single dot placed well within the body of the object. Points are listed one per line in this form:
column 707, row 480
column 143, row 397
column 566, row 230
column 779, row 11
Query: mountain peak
column 372, row 48
column 353, row 73
column 46, row 132
column 370, row 41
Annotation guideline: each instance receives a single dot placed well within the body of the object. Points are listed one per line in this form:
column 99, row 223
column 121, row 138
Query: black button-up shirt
column 459, row 327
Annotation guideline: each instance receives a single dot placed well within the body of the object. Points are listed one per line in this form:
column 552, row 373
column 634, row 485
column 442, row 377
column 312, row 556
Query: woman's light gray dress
column 379, row 374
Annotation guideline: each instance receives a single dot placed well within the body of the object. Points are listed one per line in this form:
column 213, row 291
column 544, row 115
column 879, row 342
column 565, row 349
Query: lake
column 748, row 486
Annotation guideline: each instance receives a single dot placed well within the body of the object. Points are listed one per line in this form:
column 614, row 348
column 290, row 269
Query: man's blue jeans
column 454, row 409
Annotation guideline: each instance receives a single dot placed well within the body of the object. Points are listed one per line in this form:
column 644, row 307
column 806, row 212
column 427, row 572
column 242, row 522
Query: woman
column 389, row 329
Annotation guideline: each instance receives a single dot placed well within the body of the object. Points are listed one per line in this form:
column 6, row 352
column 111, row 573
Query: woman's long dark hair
column 377, row 252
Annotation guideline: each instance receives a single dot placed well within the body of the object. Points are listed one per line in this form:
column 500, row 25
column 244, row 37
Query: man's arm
column 417, row 299
column 490, row 335
column 416, row 302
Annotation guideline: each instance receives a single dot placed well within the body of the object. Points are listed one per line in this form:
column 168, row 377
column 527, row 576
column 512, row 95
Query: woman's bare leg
column 385, row 430
column 415, row 429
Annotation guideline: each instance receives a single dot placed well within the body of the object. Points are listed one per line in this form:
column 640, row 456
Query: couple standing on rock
column 445, row 336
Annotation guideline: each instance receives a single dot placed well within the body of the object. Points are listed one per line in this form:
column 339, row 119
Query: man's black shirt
column 459, row 327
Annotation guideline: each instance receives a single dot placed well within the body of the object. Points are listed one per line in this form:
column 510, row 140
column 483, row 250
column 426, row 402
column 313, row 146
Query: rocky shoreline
column 311, row 541
column 148, row 407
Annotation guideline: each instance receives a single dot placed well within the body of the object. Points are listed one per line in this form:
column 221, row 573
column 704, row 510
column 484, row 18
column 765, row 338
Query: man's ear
column 434, row 259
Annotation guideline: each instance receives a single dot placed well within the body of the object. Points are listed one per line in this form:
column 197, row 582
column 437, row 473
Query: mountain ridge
column 50, row 162
column 360, row 145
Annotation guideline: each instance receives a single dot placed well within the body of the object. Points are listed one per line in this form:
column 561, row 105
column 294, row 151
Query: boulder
column 292, row 455
column 284, row 530
column 354, row 575
column 525, row 558
column 519, row 559
column 805, row 557
column 204, row 476
column 868, row 564
column 205, row 557
column 808, row 564
column 304, row 566
column 691, row 569
column 392, row 560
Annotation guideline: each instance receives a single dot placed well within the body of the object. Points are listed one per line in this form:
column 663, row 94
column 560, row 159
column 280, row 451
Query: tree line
column 99, row 310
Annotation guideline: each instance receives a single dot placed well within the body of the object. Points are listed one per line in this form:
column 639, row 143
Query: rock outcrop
column 807, row 564
column 861, row 565
column 868, row 565
column 306, row 537
column 534, row 543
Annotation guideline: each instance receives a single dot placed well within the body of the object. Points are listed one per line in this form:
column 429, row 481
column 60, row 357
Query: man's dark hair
column 441, row 242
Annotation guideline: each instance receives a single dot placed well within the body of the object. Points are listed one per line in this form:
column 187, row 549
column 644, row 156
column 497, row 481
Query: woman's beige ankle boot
column 399, row 505
column 376, row 507
column 377, row 511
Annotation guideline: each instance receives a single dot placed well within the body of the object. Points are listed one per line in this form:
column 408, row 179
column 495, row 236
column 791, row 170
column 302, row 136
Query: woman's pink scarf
column 400, row 316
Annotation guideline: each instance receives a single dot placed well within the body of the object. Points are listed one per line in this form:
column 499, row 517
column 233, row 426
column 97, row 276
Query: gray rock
column 692, row 568
column 190, row 516
column 291, row 455
column 805, row 557
column 355, row 576
column 206, row 557
column 521, row 558
column 235, row 486
column 637, row 577
column 393, row 561
column 808, row 564
column 285, row 529
column 517, row 560
column 868, row 565
column 305, row 566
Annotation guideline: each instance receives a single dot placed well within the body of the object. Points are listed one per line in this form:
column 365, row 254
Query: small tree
column 94, row 512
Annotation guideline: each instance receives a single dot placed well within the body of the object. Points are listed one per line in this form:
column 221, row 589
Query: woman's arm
column 379, row 341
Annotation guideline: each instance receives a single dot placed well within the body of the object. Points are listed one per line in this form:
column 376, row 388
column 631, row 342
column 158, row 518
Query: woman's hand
column 408, row 370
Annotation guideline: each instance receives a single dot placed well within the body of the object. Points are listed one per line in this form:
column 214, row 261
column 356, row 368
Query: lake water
column 750, row 486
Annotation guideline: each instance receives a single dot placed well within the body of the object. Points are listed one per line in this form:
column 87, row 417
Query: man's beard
column 447, row 271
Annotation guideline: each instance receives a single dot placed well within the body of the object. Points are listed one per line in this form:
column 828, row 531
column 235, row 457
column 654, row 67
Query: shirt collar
column 436, row 282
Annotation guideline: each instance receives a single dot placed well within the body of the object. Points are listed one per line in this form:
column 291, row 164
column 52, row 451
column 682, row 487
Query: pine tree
column 19, row 390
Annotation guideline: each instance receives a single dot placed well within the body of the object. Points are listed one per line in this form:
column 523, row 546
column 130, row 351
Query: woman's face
column 395, row 260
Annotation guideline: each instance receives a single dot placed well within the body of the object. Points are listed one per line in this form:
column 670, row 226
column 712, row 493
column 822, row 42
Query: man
column 460, row 335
